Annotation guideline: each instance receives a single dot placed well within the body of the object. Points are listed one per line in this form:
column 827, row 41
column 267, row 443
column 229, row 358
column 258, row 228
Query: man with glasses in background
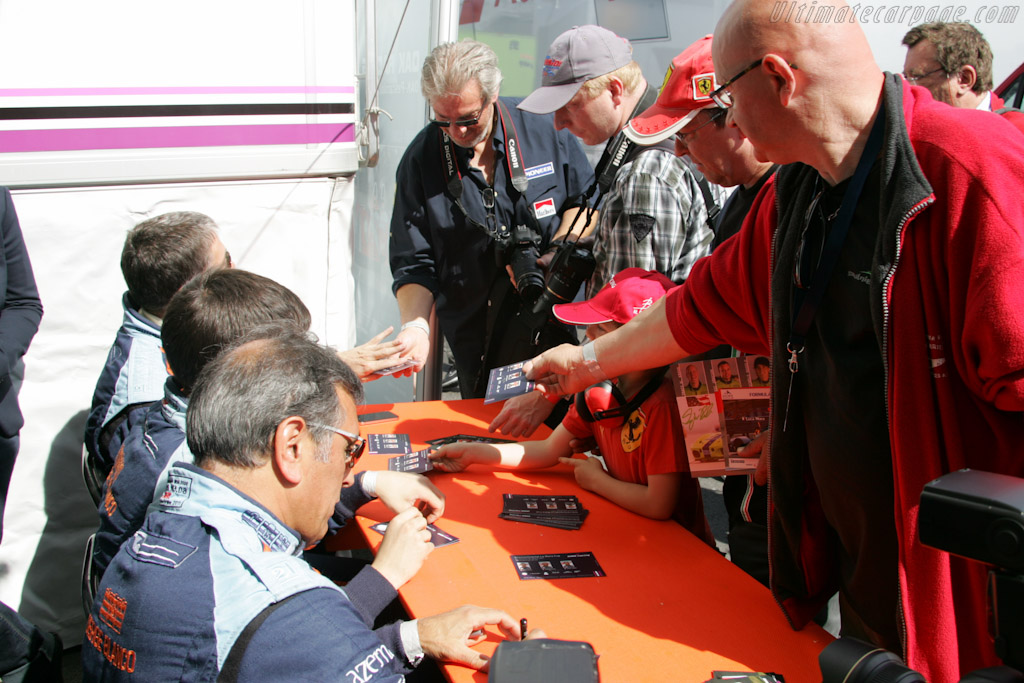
column 954, row 61
column 656, row 212
column 482, row 186
column 897, row 358
column 726, row 158
column 212, row 586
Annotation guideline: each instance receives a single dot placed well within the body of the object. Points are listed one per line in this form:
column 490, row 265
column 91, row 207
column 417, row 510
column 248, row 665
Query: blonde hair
column 630, row 75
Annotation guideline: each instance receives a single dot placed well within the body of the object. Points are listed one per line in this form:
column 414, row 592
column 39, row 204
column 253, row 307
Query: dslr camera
column 571, row 266
column 519, row 250
column 973, row 514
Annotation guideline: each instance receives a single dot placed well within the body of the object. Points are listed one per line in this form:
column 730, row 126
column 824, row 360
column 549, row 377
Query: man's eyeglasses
column 461, row 123
column 682, row 135
column 356, row 443
column 722, row 97
column 913, row 79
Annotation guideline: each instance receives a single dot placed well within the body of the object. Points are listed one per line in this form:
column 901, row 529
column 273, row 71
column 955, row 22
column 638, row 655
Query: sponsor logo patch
column 544, row 208
column 703, row 86
column 269, row 533
column 542, row 170
column 156, row 549
column 179, row 488
column 551, row 66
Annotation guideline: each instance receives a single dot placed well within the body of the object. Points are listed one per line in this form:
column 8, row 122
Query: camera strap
column 619, row 150
column 513, row 160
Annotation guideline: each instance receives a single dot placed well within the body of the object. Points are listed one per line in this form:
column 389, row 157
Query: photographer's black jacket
column 433, row 245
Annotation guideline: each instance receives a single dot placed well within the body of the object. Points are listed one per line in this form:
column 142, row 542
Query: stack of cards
column 557, row 566
column 467, row 438
column 561, row 512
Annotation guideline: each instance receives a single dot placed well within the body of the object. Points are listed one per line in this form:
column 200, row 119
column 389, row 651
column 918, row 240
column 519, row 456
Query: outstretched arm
column 644, row 342
column 525, row 455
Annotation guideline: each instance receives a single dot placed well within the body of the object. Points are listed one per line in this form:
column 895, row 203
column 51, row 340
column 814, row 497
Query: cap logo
column 668, row 75
column 551, row 65
column 644, row 305
column 703, row 86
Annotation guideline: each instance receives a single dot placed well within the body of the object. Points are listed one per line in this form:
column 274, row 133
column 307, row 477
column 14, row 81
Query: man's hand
column 560, row 371
column 372, row 356
column 588, row 472
column 447, row 637
column 415, row 343
column 406, row 545
column 521, row 415
column 759, row 447
column 403, row 490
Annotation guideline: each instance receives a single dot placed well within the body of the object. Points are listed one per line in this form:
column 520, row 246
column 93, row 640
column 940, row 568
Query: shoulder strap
column 232, row 668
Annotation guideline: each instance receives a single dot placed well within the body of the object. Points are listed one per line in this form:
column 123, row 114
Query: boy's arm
column 524, row 455
column 656, row 499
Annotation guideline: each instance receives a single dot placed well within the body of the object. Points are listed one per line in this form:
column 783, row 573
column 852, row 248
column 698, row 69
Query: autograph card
column 557, row 566
column 395, row 368
column 437, row 537
column 388, row 444
column 505, row 382
column 413, row 462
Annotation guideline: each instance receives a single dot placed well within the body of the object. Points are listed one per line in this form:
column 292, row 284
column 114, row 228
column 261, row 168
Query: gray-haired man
column 272, row 423
column 467, row 180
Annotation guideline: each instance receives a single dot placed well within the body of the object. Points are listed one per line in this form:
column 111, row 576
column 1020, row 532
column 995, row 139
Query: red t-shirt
column 650, row 441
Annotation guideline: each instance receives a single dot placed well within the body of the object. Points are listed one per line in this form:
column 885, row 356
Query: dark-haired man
column 954, row 61
column 159, row 256
column 272, row 422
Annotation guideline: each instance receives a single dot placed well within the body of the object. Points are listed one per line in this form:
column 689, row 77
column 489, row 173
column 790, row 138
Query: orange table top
column 669, row 609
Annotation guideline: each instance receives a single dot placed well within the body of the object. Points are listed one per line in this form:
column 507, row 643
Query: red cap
column 687, row 89
column 627, row 294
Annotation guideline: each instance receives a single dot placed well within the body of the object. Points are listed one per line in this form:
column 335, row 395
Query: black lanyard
column 516, row 172
column 806, row 302
column 617, row 152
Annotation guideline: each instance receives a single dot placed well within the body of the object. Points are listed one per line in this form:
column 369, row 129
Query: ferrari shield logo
column 668, row 75
column 703, row 86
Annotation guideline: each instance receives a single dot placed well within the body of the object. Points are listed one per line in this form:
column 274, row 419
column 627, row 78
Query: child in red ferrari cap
column 633, row 420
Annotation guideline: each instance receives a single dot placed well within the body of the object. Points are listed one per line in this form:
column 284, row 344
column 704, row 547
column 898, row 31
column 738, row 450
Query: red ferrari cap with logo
column 687, row 89
column 627, row 294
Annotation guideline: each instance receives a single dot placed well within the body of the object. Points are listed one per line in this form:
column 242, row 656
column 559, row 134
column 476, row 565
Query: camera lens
column 522, row 256
column 849, row 660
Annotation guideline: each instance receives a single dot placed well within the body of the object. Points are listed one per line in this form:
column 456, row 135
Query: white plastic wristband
column 417, row 324
column 590, row 363
column 368, row 482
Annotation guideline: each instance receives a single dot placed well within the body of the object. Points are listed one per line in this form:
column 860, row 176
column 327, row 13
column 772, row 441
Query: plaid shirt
column 653, row 218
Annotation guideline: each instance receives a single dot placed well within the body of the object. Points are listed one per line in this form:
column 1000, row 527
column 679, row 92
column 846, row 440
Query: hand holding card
column 505, row 382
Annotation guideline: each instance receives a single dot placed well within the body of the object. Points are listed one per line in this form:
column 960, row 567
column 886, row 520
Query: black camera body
column 571, row 266
column 519, row 250
column 977, row 515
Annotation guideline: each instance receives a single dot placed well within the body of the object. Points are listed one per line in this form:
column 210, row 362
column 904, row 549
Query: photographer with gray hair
column 272, row 423
column 484, row 185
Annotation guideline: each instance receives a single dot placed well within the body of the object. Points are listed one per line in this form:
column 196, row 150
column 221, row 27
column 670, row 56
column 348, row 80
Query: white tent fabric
column 296, row 232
